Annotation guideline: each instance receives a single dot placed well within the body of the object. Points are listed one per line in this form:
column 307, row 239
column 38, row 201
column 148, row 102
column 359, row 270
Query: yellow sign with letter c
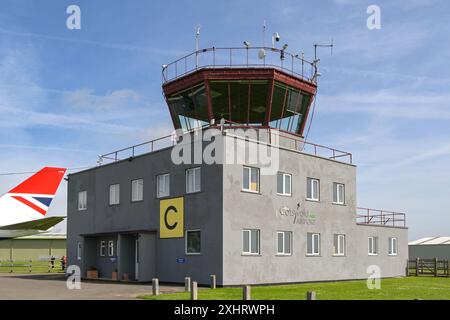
column 171, row 218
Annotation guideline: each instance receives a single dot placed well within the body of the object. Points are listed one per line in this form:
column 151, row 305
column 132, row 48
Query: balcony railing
column 380, row 217
column 240, row 57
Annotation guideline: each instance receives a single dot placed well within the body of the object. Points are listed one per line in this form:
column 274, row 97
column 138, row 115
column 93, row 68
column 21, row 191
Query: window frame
column 85, row 200
column 250, row 253
column 393, row 249
column 258, row 184
column 110, row 246
column 312, row 180
column 193, row 169
column 284, row 175
column 118, row 198
column 313, row 253
column 163, row 175
column 337, row 253
column 103, row 248
column 336, row 186
column 142, row 190
column 371, row 249
column 284, row 253
column 186, row 243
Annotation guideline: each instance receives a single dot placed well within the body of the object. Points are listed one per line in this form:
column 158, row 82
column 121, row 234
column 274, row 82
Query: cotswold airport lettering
column 300, row 215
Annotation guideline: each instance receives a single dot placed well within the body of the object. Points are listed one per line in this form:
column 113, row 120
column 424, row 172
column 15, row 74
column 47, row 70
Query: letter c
column 170, row 226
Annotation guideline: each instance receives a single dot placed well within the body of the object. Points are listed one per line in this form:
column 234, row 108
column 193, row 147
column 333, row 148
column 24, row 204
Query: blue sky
column 68, row 95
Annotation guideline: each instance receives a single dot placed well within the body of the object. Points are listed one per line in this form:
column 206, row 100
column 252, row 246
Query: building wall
column 259, row 211
column 429, row 251
column 201, row 210
column 34, row 249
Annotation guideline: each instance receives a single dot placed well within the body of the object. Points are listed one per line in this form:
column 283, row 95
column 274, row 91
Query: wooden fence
column 430, row 267
column 30, row 266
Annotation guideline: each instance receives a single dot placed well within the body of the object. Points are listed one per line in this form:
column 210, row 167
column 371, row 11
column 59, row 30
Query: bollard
column 187, row 284
column 311, row 295
column 247, row 293
column 194, row 291
column 213, row 281
column 155, row 286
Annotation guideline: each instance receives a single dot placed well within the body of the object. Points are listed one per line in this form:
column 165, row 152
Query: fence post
column 311, row 295
column 435, row 267
column 194, row 291
column 30, row 265
column 11, row 264
column 155, row 286
column 187, row 284
column 407, row 267
column 247, row 293
column 417, row 266
column 213, row 281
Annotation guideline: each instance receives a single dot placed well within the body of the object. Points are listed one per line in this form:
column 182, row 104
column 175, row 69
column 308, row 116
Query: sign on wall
column 171, row 218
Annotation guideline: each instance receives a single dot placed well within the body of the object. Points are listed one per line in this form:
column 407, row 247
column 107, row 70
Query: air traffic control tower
column 141, row 215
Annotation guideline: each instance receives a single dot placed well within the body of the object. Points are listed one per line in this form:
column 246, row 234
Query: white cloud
column 86, row 99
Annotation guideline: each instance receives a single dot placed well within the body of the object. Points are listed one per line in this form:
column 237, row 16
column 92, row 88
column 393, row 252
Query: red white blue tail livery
column 23, row 209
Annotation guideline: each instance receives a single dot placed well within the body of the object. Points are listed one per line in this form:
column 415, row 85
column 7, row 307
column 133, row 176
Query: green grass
column 22, row 267
column 407, row 288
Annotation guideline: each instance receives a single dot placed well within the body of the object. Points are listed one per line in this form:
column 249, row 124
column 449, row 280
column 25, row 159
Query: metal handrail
column 381, row 217
column 235, row 57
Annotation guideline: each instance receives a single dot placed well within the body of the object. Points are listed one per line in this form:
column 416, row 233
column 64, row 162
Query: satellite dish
column 261, row 54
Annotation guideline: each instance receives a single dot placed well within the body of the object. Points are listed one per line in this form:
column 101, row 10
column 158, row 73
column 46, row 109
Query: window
column 313, row 244
column 392, row 246
column 193, row 180
column 284, row 242
column 163, row 185
column 250, row 241
column 114, row 194
column 339, row 245
column 102, row 248
column 251, row 179
column 373, row 246
column 284, row 184
column 338, row 193
column 193, row 242
column 110, row 248
column 312, row 189
column 82, row 200
column 78, row 250
column 137, row 190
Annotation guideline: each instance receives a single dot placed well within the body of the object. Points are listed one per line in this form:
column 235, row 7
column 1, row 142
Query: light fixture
column 247, row 44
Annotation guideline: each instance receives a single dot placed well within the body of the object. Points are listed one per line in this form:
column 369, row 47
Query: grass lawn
column 407, row 288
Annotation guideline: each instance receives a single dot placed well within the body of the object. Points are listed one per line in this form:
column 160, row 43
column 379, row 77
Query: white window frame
column 116, row 200
column 139, row 185
column 314, row 253
column 283, row 252
column 82, row 200
column 340, row 239
column 250, row 253
column 186, row 243
column 193, row 170
column 79, row 253
column 165, row 178
column 372, row 244
column 336, row 186
column 111, row 248
column 103, row 248
column 393, row 246
column 246, row 170
column 314, row 197
column 284, row 175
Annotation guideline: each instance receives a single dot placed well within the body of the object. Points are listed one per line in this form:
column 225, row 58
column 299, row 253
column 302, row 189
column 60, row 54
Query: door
column 136, row 271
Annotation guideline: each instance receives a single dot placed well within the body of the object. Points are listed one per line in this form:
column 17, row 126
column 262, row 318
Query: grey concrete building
column 146, row 215
column 430, row 248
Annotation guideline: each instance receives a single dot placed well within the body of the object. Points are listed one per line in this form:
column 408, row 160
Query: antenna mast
column 197, row 36
column 316, row 60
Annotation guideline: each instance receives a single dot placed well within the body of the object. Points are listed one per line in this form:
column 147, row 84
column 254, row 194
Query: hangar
column 430, row 248
column 158, row 210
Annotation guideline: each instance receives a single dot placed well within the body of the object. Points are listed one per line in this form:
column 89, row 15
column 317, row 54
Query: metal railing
column 240, row 57
column 380, row 217
column 31, row 266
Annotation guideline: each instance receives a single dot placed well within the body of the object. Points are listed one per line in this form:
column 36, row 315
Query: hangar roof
column 431, row 240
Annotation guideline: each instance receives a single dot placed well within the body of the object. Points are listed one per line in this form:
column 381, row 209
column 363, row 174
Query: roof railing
column 380, row 217
column 240, row 57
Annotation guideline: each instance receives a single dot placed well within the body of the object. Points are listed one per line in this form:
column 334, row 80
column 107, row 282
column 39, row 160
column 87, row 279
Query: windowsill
column 114, row 205
column 81, row 210
column 250, row 191
column 283, row 255
column 163, row 197
column 392, row 254
column 137, row 201
column 193, row 254
column 251, row 254
column 339, row 255
column 338, row 204
column 373, row 254
column 313, row 255
column 312, row 200
column 194, row 192
column 284, row 195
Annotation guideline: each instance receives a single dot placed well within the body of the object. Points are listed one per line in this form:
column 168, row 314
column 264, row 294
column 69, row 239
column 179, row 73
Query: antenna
column 197, row 36
column 316, row 60
column 264, row 33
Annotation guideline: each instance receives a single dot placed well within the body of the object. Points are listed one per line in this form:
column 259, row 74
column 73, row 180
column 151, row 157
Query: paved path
column 53, row 287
